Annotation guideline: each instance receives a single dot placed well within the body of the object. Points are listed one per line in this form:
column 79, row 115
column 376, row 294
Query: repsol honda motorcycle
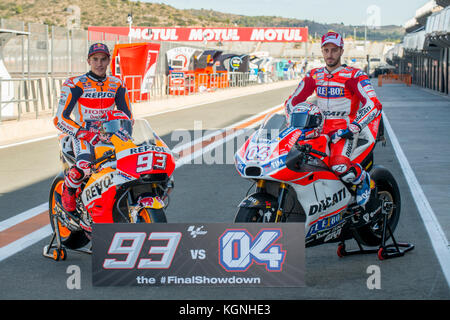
column 131, row 182
column 295, row 184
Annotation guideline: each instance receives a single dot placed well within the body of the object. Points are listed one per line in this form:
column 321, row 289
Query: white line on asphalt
column 27, row 141
column 437, row 236
column 8, row 223
column 211, row 146
column 38, row 235
column 25, row 242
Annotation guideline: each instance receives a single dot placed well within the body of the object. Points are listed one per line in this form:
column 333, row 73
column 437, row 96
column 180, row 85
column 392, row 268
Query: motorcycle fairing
column 99, row 193
column 321, row 200
column 267, row 152
column 151, row 159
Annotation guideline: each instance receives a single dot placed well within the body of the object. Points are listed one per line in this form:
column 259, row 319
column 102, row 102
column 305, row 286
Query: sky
column 350, row 12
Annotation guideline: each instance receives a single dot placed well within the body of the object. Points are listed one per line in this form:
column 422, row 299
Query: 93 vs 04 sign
column 212, row 254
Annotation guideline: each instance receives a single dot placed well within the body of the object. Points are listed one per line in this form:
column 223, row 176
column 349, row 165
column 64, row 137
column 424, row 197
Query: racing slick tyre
column 152, row 216
column 387, row 191
column 70, row 239
column 246, row 214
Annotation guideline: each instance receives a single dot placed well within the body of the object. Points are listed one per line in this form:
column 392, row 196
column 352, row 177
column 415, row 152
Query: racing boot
column 68, row 199
column 353, row 173
column 362, row 183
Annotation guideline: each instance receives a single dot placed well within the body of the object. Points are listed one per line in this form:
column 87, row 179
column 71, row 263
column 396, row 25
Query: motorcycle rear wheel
column 388, row 191
column 70, row 239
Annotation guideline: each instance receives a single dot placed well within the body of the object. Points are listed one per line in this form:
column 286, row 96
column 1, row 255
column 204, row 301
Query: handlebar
column 307, row 149
column 107, row 155
column 320, row 153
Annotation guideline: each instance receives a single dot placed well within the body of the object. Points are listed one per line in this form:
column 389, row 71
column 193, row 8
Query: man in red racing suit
column 349, row 103
column 87, row 98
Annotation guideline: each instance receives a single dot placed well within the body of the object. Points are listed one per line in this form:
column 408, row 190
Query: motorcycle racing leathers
column 84, row 99
column 349, row 103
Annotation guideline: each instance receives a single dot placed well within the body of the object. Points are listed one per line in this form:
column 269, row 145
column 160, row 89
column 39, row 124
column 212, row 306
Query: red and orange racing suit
column 84, row 99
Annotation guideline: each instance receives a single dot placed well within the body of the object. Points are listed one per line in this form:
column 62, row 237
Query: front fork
column 282, row 192
column 281, row 198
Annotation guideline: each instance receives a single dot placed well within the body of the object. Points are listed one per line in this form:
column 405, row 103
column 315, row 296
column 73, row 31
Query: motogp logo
column 238, row 250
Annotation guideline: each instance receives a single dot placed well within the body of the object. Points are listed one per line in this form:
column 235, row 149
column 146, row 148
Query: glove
column 348, row 133
column 88, row 136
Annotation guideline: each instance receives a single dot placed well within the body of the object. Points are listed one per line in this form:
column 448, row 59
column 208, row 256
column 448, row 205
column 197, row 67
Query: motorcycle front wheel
column 147, row 215
column 246, row 214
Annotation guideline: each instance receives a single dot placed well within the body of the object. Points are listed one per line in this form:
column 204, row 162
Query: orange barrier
column 187, row 82
column 394, row 78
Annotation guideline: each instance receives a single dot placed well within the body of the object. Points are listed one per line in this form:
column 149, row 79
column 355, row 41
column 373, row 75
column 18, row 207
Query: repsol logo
column 99, row 187
column 327, row 202
column 63, row 127
column 330, row 92
column 146, row 148
column 97, row 95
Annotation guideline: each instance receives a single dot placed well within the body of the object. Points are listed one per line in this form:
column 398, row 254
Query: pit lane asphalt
column 210, row 193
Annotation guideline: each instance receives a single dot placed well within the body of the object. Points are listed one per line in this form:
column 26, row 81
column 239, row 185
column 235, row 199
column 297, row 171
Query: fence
column 29, row 97
column 158, row 86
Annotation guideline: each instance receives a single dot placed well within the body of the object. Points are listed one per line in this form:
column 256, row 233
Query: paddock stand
column 384, row 251
column 57, row 251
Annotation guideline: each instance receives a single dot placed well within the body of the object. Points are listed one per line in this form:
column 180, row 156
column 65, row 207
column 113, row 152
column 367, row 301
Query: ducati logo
column 328, row 202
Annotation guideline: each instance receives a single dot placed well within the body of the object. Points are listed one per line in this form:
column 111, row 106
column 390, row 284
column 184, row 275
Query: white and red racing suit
column 346, row 97
column 84, row 99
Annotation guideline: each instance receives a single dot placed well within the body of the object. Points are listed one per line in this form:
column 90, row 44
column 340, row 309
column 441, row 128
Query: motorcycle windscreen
column 272, row 126
column 143, row 133
column 114, row 126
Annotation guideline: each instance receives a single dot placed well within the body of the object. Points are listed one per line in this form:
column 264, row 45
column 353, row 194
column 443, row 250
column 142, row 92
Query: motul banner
column 209, row 34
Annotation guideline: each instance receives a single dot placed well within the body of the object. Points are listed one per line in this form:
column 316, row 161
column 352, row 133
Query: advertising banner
column 211, row 254
column 209, row 34
column 180, row 58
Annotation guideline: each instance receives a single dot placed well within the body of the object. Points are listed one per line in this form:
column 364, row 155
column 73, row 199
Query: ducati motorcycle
column 295, row 184
column 131, row 182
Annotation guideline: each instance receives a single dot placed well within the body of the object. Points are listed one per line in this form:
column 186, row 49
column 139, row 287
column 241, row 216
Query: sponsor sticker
column 330, row 92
